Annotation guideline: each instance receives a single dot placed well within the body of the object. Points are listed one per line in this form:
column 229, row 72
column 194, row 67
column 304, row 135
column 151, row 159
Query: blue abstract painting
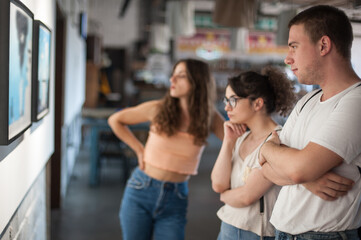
column 20, row 67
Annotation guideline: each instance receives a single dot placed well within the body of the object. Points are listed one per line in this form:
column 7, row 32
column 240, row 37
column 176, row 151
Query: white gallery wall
column 23, row 160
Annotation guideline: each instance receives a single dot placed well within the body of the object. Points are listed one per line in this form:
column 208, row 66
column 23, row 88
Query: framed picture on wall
column 16, row 48
column 41, row 71
column 83, row 24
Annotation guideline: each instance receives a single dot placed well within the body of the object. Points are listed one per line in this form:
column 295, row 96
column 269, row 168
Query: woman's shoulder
column 151, row 103
column 142, row 112
column 150, row 107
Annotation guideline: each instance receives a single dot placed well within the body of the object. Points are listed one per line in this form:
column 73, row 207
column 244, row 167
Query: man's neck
column 337, row 79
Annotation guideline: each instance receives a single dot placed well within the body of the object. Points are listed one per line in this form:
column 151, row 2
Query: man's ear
column 325, row 45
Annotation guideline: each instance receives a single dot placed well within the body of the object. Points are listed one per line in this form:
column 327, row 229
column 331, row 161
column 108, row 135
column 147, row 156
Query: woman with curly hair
column 155, row 200
column 250, row 99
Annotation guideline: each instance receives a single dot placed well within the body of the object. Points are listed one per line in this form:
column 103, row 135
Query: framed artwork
column 41, row 71
column 83, row 25
column 16, row 47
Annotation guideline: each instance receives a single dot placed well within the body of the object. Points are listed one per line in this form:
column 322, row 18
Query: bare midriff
column 164, row 175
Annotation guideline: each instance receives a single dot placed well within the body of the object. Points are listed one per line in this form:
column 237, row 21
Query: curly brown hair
column 200, row 102
column 272, row 85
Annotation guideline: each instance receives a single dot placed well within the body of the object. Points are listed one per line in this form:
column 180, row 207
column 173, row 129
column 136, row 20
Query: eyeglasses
column 232, row 101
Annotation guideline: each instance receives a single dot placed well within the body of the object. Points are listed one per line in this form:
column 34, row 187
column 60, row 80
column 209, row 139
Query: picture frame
column 41, row 70
column 16, row 47
column 83, row 25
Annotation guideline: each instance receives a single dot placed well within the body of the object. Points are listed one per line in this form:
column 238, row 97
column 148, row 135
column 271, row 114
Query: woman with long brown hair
column 155, row 200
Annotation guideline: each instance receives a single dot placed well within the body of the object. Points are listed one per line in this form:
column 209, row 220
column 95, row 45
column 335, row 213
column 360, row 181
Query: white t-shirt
column 248, row 218
column 336, row 125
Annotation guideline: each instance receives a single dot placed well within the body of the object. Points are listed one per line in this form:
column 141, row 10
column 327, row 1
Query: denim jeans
column 153, row 208
column 229, row 232
column 348, row 234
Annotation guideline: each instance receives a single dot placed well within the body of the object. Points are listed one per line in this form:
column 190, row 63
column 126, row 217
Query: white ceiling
column 274, row 7
column 117, row 32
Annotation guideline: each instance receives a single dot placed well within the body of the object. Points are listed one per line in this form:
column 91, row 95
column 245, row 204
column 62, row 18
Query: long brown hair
column 200, row 103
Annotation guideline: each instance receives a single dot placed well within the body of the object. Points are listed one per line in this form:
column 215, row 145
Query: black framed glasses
column 232, row 101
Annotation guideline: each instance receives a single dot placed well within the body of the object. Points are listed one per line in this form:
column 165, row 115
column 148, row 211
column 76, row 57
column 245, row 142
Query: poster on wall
column 16, row 49
column 263, row 42
column 209, row 44
column 41, row 71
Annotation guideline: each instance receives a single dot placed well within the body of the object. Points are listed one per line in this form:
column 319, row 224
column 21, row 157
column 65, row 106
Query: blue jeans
column 153, row 208
column 348, row 234
column 229, row 232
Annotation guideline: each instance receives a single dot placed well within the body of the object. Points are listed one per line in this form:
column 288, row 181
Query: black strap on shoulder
column 310, row 99
column 261, row 200
column 261, row 205
column 315, row 95
column 359, row 169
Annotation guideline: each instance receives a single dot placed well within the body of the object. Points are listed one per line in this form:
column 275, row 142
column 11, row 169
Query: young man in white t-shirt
column 323, row 132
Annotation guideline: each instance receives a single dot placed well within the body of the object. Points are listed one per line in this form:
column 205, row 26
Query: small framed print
column 41, row 70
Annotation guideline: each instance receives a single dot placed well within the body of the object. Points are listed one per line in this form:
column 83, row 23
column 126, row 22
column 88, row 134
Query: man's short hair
column 326, row 20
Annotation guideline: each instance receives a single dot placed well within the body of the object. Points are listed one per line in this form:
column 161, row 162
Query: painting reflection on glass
column 41, row 70
column 20, row 69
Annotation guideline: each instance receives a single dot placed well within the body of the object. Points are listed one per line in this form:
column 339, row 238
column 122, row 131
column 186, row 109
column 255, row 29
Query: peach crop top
column 176, row 153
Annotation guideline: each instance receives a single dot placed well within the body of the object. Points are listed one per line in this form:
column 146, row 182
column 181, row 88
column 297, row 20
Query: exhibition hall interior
column 67, row 65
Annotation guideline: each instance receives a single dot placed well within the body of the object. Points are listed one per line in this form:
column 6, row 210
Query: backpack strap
column 315, row 95
column 359, row 169
column 317, row 92
column 261, row 200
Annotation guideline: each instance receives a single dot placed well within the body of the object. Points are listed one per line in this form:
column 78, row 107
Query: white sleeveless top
column 249, row 218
